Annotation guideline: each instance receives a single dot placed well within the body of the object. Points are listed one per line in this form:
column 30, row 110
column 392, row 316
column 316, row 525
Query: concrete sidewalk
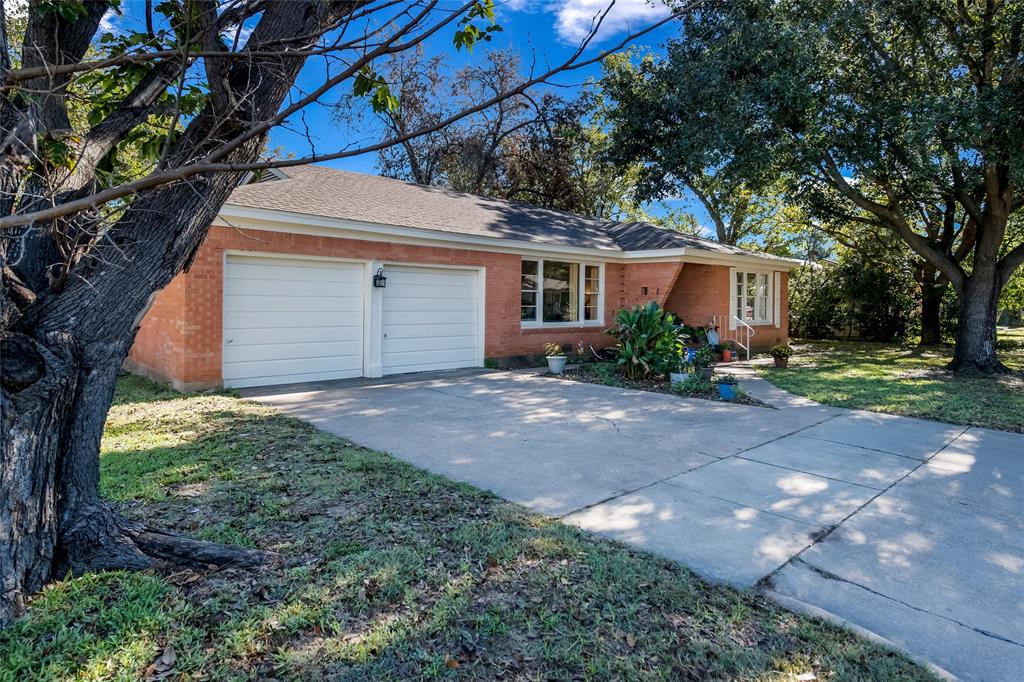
column 909, row 528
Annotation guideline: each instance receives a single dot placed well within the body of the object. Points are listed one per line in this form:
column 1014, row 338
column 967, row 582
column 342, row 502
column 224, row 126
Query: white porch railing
column 741, row 335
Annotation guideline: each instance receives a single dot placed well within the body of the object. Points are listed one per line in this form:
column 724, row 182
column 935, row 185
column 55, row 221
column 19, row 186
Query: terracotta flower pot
column 782, row 362
column 726, row 355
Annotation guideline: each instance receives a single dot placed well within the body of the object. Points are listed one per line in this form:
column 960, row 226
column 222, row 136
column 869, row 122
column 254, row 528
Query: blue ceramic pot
column 727, row 391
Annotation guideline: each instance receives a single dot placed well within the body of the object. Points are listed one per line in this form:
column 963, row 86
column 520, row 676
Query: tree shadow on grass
column 387, row 572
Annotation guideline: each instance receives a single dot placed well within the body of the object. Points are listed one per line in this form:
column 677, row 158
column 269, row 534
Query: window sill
column 560, row 325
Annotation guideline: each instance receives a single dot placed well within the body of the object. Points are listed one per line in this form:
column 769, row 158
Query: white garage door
column 430, row 319
column 288, row 320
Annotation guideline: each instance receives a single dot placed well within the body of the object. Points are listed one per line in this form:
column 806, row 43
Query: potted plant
column 781, row 353
column 682, row 373
column 556, row 358
column 726, row 387
column 702, row 361
column 727, row 351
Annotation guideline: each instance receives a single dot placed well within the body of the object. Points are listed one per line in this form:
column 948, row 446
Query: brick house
column 283, row 289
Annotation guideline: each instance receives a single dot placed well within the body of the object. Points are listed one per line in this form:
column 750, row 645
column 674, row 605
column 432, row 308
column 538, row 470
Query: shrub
column 781, row 351
column 553, row 350
column 704, row 357
column 695, row 384
column 648, row 341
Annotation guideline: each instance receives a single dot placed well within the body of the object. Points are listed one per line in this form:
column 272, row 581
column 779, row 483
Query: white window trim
column 580, row 291
column 770, row 305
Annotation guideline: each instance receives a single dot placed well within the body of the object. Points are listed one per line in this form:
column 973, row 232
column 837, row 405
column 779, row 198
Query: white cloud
column 574, row 19
column 108, row 24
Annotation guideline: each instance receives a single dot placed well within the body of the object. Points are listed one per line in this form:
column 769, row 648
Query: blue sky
column 543, row 31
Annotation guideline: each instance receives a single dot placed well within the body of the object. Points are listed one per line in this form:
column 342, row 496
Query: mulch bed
column 588, row 373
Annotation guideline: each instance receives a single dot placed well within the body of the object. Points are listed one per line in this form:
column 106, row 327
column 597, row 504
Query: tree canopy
column 881, row 113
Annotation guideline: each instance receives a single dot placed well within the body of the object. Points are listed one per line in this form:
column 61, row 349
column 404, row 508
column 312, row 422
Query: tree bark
column 63, row 349
column 933, row 290
column 975, row 350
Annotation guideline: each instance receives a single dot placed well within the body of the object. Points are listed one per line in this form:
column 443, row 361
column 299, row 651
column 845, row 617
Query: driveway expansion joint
column 828, row 532
column 828, row 575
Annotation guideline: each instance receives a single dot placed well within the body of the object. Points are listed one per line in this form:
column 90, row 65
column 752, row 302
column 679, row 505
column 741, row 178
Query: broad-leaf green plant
column 649, row 342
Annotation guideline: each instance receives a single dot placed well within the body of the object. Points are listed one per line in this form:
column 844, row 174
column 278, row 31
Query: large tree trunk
column 932, row 293
column 63, row 347
column 53, row 404
column 975, row 351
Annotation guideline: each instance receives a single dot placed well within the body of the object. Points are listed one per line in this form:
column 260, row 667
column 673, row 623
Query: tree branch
column 212, row 164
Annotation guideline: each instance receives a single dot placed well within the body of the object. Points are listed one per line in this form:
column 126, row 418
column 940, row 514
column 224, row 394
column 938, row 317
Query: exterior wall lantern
column 379, row 280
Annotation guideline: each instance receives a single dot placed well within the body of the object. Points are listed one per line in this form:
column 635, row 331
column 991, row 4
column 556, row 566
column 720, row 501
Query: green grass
column 387, row 573
column 907, row 380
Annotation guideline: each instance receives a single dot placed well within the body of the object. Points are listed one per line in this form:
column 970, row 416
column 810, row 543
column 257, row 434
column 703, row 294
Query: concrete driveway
column 911, row 529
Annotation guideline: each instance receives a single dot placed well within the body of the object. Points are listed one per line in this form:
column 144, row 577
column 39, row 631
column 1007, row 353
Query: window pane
column 528, row 313
column 529, row 275
column 591, row 292
column 529, row 298
column 561, row 291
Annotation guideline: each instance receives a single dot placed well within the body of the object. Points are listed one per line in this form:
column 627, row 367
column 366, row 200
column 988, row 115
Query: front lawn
column 388, row 573
column 907, row 380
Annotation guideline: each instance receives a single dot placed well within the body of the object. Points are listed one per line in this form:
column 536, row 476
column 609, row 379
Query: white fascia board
column 738, row 260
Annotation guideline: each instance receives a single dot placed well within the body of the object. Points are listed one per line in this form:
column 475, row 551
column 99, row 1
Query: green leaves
column 469, row 32
column 648, row 341
column 68, row 10
column 369, row 83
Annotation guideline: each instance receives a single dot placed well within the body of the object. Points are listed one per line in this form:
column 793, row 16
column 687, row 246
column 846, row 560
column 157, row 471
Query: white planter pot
column 678, row 377
column 556, row 364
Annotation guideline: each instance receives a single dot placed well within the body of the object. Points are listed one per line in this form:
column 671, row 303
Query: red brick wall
column 159, row 349
column 180, row 337
column 702, row 291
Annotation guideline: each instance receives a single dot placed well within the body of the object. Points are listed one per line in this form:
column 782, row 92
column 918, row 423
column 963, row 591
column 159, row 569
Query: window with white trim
column 560, row 292
column 753, row 297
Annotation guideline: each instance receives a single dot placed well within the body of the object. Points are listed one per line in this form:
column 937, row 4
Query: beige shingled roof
column 333, row 193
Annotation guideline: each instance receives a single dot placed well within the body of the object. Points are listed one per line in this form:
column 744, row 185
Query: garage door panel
column 265, row 269
column 419, row 331
column 294, row 288
column 421, row 360
column 427, row 317
column 418, row 277
column 286, row 367
column 294, row 335
column 254, row 320
column 396, row 345
column 409, row 304
column 293, row 351
column 291, row 320
column 299, row 304
column 429, row 292
column 430, row 319
column 292, row 378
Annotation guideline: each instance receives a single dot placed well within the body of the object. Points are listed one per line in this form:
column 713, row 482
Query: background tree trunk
column 933, row 290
